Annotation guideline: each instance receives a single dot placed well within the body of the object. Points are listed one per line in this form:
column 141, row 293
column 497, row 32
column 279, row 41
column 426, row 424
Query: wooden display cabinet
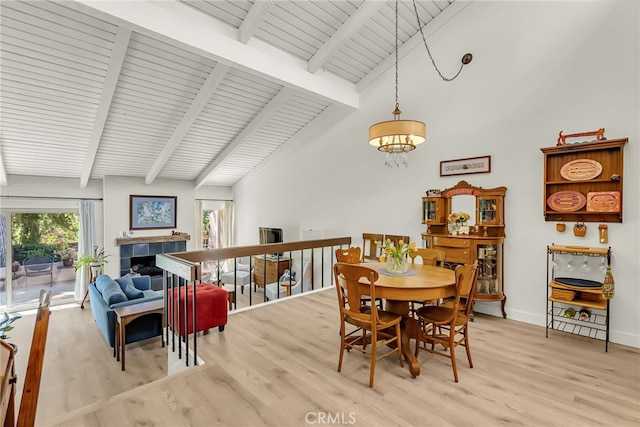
column 484, row 243
column 274, row 269
column 561, row 298
column 607, row 155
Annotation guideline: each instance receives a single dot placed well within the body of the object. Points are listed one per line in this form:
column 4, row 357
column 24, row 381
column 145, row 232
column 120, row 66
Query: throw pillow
column 112, row 293
column 127, row 286
column 102, row 280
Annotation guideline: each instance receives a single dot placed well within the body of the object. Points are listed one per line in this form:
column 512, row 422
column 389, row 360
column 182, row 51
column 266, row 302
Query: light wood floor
column 276, row 365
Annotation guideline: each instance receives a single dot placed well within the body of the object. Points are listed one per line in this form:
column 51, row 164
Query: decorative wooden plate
column 566, row 201
column 603, row 201
column 581, row 170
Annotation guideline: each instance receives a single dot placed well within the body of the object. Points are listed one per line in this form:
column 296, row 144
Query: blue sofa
column 107, row 294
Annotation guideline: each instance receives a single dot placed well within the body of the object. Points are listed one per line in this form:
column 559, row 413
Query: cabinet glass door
column 489, row 271
column 487, row 211
column 429, row 210
column 432, row 210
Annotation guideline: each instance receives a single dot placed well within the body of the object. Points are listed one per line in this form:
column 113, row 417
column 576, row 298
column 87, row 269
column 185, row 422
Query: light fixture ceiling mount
column 397, row 137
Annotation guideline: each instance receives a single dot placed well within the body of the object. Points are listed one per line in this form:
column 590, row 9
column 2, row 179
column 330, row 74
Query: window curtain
column 199, row 237
column 86, row 242
column 227, row 225
column 226, row 229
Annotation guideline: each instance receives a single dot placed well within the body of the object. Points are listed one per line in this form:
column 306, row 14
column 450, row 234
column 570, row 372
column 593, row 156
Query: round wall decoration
column 581, row 170
column 566, row 201
column 603, row 201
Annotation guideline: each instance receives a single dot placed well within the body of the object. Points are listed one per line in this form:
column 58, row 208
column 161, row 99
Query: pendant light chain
column 397, row 105
column 465, row 59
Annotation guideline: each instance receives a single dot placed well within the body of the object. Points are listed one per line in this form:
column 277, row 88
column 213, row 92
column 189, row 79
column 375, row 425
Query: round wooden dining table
column 398, row 290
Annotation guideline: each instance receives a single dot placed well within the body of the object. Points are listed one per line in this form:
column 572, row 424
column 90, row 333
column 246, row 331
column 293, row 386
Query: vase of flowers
column 395, row 256
column 455, row 220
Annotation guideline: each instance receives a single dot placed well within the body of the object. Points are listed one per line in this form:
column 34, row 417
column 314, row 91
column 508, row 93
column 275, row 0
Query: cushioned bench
column 211, row 307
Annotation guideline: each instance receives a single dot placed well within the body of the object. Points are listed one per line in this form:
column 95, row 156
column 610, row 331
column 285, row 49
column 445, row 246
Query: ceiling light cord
column 465, row 59
column 397, row 105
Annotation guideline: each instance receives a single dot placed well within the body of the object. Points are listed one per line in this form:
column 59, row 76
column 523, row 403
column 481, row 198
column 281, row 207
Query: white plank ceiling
column 205, row 91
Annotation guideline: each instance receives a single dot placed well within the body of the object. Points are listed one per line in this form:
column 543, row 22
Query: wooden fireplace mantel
column 152, row 239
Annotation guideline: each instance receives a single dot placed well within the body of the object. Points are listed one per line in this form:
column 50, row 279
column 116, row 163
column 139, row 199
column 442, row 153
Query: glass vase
column 397, row 265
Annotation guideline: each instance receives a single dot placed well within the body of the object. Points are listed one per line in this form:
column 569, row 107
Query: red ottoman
column 211, row 307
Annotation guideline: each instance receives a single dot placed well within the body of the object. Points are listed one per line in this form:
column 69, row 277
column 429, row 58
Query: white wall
column 538, row 68
column 34, row 194
column 116, row 192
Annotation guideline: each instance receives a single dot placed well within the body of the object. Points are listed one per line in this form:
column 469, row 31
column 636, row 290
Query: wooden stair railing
column 8, row 379
column 31, row 389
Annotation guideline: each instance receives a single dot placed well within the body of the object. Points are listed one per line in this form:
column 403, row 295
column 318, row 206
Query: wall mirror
column 465, row 203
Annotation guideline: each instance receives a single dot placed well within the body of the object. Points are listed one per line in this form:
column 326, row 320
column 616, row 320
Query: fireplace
column 145, row 266
column 140, row 254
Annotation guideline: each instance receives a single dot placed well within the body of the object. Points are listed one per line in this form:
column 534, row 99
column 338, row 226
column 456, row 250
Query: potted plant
column 66, row 254
column 96, row 259
column 5, row 326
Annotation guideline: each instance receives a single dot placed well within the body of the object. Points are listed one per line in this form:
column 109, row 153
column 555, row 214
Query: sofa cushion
column 101, row 281
column 112, row 293
column 126, row 284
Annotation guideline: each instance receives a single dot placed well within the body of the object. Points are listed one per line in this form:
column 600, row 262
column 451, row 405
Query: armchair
column 304, row 284
column 231, row 280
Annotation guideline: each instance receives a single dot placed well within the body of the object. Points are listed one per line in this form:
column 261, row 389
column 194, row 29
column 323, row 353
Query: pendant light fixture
column 397, row 137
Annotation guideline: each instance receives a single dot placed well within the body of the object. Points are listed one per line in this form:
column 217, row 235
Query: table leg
column 86, row 294
column 122, row 342
column 502, row 303
column 408, row 331
column 116, row 345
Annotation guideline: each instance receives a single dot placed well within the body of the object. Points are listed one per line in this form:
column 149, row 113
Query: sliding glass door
column 37, row 251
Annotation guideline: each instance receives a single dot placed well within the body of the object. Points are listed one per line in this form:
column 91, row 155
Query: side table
column 129, row 313
column 93, row 273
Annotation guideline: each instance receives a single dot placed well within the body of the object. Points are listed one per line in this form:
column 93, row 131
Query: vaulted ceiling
column 205, row 91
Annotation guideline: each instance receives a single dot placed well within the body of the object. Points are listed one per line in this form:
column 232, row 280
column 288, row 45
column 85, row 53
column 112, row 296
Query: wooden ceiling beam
column 110, row 82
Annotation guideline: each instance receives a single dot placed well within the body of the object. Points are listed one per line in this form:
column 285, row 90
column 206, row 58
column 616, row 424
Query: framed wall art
column 152, row 212
column 465, row 166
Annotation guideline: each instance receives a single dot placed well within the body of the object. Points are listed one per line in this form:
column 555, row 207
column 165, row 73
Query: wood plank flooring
column 276, row 365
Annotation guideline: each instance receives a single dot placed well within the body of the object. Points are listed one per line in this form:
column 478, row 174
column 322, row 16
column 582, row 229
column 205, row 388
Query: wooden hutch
column 485, row 240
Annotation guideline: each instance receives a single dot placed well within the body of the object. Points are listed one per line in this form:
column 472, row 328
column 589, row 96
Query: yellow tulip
column 382, row 258
column 400, row 242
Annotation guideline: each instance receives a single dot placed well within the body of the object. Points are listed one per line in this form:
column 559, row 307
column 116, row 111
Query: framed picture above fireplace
column 152, row 212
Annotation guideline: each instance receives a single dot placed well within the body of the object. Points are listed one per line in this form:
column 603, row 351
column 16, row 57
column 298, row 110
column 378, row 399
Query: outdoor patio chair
column 39, row 265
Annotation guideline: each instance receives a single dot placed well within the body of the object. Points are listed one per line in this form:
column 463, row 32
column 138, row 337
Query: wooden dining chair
column 370, row 249
column 365, row 318
column 434, row 257
column 352, row 255
column 449, row 324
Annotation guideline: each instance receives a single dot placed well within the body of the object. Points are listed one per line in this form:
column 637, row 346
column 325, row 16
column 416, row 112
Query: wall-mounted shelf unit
column 584, row 181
